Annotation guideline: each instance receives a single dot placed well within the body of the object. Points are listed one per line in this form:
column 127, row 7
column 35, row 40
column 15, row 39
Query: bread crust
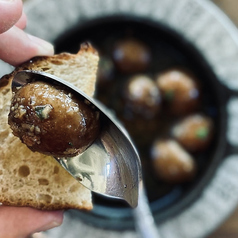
column 32, row 179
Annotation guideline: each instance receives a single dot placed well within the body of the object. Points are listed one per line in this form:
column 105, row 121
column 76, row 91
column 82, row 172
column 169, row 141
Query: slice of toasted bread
column 32, row 179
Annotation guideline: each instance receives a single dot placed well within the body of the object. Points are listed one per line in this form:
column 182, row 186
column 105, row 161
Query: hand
column 21, row 222
column 16, row 47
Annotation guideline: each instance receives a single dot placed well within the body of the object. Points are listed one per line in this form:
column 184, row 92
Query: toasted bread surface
column 32, row 179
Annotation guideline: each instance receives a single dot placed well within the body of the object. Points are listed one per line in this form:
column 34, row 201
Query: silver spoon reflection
column 111, row 165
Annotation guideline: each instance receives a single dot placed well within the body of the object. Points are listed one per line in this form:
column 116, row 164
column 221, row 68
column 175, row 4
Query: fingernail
column 55, row 219
column 43, row 47
column 39, row 235
column 50, row 225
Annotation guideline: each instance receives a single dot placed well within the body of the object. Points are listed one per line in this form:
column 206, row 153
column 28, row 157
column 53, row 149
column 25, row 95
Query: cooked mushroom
column 179, row 90
column 51, row 121
column 142, row 96
column 172, row 163
column 131, row 55
column 194, row 132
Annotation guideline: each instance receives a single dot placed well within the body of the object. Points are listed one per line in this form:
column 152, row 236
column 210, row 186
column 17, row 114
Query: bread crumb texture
column 32, row 179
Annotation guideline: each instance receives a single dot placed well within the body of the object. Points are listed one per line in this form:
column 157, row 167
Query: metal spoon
column 111, row 165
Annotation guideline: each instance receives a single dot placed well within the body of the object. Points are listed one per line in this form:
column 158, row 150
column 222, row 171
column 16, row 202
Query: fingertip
column 22, row 21
column 11, row 12
column 42, row 47
column 24, row 221
column 55, row 219
column 17, row 47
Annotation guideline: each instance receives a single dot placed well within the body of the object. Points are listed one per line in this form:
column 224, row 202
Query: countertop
column 230, row 228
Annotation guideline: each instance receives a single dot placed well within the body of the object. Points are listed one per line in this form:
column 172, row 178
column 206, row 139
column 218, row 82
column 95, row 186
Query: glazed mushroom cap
column 172, row 163
column 142, row 96
column 194, row 132
column 131, row 55
column 179, row 90
column 51, row 121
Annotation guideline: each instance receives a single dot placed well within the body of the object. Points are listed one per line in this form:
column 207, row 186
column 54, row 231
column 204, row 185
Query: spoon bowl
column 110, row 166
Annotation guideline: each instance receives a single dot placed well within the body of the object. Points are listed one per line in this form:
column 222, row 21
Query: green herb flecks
column 71, row 144
column 43, row 111
column 202, row 133
column 39, row 111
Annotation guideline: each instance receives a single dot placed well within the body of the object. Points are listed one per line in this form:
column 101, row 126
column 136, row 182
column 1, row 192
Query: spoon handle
column 144, row 221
